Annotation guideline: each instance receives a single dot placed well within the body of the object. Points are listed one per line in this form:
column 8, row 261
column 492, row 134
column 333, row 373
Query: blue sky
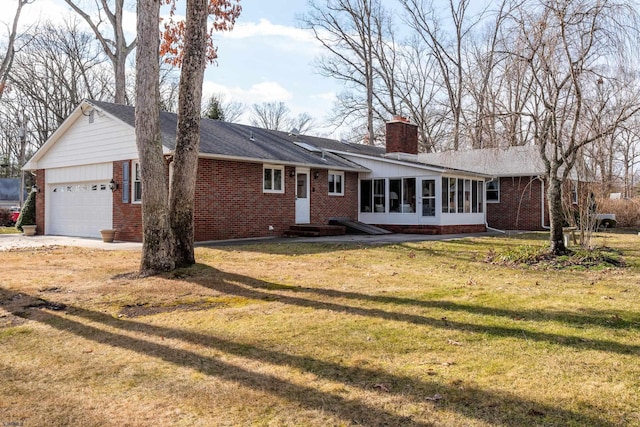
column 265, row 58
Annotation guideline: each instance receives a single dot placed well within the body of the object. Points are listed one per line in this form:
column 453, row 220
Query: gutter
column 486, row 224
column 542, row 204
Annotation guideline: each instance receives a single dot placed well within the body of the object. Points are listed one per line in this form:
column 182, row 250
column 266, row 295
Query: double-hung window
column 136, row 183
column 336, row 183
column 273, row 179
column 493, row 191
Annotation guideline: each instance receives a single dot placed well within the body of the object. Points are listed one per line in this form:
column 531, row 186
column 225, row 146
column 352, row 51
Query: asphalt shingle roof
column 511, row 161
column 232, row 140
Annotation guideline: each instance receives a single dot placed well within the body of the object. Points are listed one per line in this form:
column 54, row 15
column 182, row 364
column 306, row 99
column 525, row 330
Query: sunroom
column 412, row 198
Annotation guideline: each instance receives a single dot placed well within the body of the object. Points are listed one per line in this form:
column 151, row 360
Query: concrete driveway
column 17, row 241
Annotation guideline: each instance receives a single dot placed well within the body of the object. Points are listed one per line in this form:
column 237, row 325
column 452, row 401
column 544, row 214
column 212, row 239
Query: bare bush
column 627, row 211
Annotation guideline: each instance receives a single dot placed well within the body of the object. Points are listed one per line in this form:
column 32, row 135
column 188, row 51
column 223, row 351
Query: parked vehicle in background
column 15, row 213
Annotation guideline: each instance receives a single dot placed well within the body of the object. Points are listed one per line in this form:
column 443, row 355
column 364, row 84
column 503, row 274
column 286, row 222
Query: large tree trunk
column 182, row 200
column 157, row 246
column 556, row 217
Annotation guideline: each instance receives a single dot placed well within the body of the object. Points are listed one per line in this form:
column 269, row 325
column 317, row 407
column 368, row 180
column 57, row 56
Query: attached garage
column 80, row 209
column 80, row 202
column 76, row 166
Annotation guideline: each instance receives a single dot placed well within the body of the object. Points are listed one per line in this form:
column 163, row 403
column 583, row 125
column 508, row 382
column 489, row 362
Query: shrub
column 28, row 213
column 5, row 217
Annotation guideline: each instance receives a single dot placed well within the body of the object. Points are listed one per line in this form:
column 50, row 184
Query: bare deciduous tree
column 277, row 116
column 568, row 47
column 112, row 39
column 424, row 19
column 7, row 58
column 354, row 32
column 270, row 115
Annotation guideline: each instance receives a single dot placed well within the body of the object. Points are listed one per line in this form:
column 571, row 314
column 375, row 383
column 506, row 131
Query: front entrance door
column 303, row 205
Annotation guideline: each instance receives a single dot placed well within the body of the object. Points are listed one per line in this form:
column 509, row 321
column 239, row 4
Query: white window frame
column 574, row 192
column 136, row 178
column 272, row 188
column 335, row 174
column 488, row 200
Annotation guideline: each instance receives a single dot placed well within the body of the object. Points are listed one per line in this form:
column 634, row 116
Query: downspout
column 486, row 224
column 542, row 204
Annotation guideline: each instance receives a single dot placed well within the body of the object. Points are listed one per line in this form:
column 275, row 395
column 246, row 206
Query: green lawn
column 9, row 230
column 419, row 334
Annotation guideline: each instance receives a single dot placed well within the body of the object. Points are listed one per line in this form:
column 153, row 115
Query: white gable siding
column 83, row 173
column 104, row 140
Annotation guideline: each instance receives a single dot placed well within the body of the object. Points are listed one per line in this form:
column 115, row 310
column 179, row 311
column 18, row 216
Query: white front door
column 303, row 205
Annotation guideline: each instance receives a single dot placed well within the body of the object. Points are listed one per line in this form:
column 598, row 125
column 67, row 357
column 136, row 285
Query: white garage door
column 79, row 209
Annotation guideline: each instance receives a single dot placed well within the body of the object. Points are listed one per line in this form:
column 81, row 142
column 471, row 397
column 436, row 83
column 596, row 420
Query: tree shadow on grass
column 590, row 318
column 255, row 289
column 489, row 406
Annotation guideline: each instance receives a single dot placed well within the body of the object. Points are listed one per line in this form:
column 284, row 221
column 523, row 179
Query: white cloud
column 327, row 96
column 264, row 28
column 255, row 94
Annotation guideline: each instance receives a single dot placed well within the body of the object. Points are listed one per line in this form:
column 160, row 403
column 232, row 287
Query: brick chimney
column 402, row 136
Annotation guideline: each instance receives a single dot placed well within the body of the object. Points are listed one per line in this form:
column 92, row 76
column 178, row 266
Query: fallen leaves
column 382, row 387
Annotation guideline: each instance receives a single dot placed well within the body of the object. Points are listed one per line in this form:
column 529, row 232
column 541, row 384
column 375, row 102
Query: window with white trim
column 273, row 179
column 372, row 195
column 336, row 183
column 136, row 183
column 574, row 192
column 462, row 195
column 493, row 191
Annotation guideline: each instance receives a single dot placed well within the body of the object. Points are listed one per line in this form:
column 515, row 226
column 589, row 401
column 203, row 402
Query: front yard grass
column 416, row 334
column 9, row 230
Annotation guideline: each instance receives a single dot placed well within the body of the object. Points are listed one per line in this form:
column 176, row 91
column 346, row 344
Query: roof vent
column 294, row 132
column 251, row 137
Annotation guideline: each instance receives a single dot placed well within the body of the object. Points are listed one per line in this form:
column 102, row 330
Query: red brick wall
column 230, row 203
column 324, row 206
column 127, row 217
column 519, row 207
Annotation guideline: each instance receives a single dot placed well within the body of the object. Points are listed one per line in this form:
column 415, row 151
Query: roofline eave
column 281, row 162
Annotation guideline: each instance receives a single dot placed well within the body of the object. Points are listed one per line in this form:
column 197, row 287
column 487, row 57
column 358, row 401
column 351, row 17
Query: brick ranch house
column 251, row 182
column 516, row 194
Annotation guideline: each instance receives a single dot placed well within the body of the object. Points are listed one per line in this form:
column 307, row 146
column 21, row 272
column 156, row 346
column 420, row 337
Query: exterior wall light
column 113, row 186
